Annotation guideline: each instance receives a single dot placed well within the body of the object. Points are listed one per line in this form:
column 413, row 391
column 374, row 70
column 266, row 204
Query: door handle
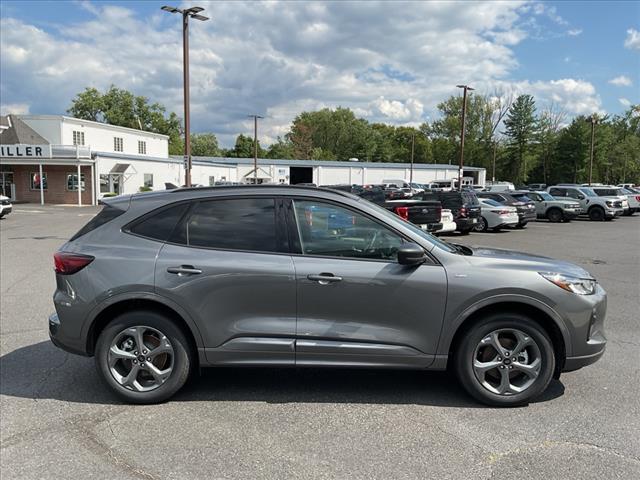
column 324, row 278
column 184, row 270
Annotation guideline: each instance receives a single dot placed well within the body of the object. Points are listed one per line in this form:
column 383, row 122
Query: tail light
column 462, row 212
column 501, row 212
column 638, row 198
column 402, row 212
column 69, row 263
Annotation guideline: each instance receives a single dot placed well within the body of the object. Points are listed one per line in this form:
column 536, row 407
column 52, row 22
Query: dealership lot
column 59, row 421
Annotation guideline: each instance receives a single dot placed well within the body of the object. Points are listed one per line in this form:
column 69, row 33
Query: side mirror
column 411, row 254
column 580, row 196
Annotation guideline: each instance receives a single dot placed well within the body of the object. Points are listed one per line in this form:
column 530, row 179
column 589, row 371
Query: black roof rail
column 248, row 185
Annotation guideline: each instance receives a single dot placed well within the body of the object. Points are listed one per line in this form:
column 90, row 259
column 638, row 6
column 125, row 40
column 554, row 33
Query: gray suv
column 160, row 284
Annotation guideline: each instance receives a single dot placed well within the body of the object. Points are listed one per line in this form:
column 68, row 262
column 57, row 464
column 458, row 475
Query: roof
column 65, row 118
column 325, row 163
column 19, row 133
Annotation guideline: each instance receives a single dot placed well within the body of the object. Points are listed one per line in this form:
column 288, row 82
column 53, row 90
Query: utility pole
column 495, row 148
column 193, row 12
column 593, row 120
column 255, row 147
column 413, row 145
column 464, row 114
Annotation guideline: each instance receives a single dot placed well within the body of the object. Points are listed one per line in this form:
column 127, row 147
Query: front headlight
column 609, row 204
column 580, row 286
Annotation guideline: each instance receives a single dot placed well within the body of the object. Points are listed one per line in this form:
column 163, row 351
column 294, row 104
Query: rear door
column 227, row 264
column 356, row 305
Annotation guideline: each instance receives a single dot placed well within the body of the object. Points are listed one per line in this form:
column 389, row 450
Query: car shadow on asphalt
column 42, row 371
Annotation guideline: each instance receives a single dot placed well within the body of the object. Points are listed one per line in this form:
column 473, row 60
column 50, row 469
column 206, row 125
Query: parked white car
column 496, row 215
column 448, row 225
column 5, row 206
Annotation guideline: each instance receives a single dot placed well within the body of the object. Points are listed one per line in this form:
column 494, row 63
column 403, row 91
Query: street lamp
column 593, row 120
column 255, row 147
column 193, row 12
column 464, row 113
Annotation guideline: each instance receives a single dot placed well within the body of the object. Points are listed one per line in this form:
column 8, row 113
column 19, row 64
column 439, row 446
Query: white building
column 43, row 156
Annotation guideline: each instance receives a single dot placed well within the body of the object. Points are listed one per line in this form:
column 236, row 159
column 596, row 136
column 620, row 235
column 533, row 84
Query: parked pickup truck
column 425, row 214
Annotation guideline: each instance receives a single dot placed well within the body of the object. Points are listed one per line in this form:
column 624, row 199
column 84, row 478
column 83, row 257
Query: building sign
column 25, row 151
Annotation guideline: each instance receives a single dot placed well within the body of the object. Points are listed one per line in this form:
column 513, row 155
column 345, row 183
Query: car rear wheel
column 482, row 225
column 506, row 359
column 143, row 357
column 554, row 215
column 596, row 214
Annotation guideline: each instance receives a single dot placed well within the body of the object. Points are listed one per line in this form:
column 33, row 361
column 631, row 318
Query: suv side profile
column 553, row 209
column 162, row 283
column 597, row 208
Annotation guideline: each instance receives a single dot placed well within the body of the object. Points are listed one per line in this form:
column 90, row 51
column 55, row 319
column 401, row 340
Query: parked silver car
column 162, row 283
column 555, row 209
column 495, row 216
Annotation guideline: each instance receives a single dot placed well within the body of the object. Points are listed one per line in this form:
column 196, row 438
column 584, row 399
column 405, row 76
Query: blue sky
column 389, row 62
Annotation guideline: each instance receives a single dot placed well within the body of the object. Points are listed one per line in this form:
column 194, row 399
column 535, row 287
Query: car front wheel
column 505, row 360
column 143, row 357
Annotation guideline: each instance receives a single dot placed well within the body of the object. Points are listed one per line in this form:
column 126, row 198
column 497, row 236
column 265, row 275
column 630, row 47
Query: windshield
column 588, row 192
column 447, row 247
column 546, row 196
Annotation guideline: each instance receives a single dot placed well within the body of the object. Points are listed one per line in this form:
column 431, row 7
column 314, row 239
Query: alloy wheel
column 507, row 361
column 140, row 358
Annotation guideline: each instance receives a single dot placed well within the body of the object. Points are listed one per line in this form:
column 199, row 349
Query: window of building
column 142, row 147
column 104, row 184
column 118, row 144
column 35, row 180
column 148, row 180
column 78, row 137
column 72, row 182
column 212, row 181
column 238, row 224
column 333, row 231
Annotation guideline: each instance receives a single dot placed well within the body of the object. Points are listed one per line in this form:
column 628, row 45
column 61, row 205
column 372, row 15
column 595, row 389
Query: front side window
column 558, row 192
column 160, row 224
column 118, row 144
column 588, row 192
column 72, row 182
column 36, row 182
column 329, row 230
column 236, row 224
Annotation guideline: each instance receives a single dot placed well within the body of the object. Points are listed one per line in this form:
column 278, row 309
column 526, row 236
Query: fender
column 448, row 333
column 197, row 336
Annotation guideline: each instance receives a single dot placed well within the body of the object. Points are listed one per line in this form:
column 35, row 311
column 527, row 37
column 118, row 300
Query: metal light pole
column 413, row 145
column 495, row 148
column 464, row 114
column 255, row 147
column 593, row 120
column 193, row 12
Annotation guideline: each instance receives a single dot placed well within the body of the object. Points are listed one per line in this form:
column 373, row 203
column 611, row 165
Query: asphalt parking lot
column 59, row 421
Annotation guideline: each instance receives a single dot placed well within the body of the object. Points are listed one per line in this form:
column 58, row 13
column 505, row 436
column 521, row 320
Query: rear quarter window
column 108, row 213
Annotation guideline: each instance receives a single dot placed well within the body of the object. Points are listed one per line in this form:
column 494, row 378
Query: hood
column 525, row 261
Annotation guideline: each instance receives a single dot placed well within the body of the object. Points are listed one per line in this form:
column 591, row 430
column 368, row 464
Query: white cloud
column 574, row 32
column 624, row 102
column 14, row 108
column 386, row 62
column 632, row 41
column 621, row 81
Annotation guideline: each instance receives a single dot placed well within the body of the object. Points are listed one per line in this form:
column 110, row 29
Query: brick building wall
column 56, row 191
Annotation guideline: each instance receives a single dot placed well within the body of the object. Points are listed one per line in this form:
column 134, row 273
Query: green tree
column 120, row 107
column 520, row 130
column 244, row 148
column 282, row 148
column 204, row 145
column 568, row 164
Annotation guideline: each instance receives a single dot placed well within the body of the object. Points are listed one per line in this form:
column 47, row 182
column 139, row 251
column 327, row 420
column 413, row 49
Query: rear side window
column 557, row 192
column 108, row 213
column 237, row 224
column 160, row 224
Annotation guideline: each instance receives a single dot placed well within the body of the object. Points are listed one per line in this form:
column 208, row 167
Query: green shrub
column 144, row 188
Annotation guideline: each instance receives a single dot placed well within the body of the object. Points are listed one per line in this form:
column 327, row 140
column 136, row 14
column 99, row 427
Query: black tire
column 481, row 226
column 554, row 215
column 466, row 349
column 596, row 214
column 521, row 225
column 182, row 356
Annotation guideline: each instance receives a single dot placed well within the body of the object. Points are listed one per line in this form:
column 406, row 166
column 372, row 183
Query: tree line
column 507, row 135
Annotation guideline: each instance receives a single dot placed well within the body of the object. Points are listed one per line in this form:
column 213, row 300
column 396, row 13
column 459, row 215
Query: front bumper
column 526, row 216
column 613, row 212
column 430, row 227
column 6, row 209
column 571, row 213
column 466, row 223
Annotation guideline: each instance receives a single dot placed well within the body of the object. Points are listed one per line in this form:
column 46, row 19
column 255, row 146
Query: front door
column 356, row 305
column 228, row 265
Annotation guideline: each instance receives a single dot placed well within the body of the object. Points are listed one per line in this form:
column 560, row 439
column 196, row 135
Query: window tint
column 161, row 223
column 105, row 215
column 238, row 224
column 329, row 230
column 557, row 192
